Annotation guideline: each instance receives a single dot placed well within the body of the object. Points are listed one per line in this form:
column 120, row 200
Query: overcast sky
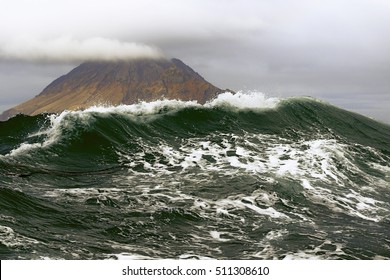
column 336, row 50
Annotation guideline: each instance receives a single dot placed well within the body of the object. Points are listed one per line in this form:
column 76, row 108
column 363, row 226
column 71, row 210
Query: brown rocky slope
column 119, row 82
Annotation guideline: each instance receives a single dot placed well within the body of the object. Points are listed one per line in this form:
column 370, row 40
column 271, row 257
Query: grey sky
column 336, row 50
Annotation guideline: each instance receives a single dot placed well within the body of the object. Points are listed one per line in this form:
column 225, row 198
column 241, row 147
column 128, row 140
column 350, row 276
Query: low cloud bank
column 68, row 49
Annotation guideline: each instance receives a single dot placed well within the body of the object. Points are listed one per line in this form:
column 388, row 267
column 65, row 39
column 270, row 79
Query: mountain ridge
column 118, row 82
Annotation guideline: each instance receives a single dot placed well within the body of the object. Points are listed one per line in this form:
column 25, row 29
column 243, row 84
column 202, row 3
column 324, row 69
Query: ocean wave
column 243, row 176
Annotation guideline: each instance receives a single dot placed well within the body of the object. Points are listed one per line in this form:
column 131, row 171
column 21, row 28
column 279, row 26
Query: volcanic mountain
column 118, row 82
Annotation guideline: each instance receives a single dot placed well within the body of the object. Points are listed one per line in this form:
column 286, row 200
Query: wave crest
column 245, row 100
column 240, row 100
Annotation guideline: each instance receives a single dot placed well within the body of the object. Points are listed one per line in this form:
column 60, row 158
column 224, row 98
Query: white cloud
column 144, row 21
column 69, row 49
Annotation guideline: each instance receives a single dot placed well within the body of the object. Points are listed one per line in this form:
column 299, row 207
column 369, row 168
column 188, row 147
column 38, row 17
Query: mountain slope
column 119, row 82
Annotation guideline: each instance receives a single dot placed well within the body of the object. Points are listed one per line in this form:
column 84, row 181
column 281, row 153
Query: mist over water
column 241, row 177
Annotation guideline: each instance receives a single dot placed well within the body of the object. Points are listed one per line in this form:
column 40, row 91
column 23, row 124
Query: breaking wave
column 243, row 176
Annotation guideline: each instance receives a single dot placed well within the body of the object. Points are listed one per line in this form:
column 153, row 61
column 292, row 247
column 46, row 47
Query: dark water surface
column 243, row 177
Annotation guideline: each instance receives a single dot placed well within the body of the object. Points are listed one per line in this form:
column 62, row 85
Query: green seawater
column 299, row 178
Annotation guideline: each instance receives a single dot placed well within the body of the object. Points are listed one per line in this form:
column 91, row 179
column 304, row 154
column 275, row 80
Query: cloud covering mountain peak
column 66, row 48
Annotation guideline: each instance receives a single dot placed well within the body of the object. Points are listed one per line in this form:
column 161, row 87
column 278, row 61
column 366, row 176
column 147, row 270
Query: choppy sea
column 241, row 177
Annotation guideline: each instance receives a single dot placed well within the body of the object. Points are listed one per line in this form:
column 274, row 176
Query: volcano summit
column 118, row 82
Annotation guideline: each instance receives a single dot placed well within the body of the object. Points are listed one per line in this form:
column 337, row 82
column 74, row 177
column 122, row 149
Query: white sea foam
column 276, row 234
column 318, row 252
column 313, row 163
column 11, row 239
column 238, row 203
column 245, row 100
column 143, row 108
column 129, row 257
column 239, row 100
column 24, row 148
column 53, row 133
column 217, row 236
